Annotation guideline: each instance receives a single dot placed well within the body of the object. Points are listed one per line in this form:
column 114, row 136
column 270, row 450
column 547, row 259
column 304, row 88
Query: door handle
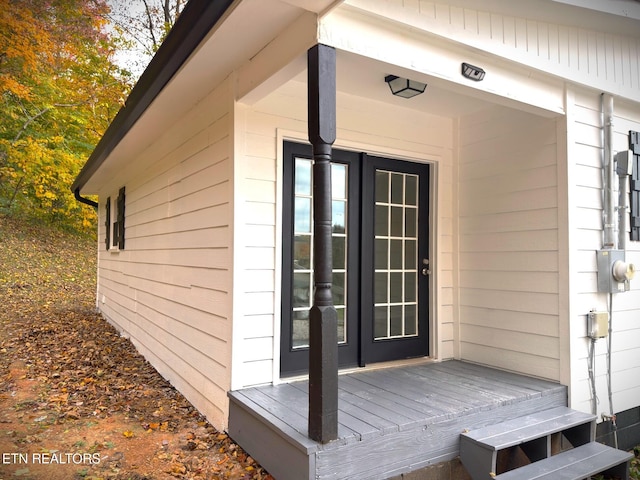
column 425, row 270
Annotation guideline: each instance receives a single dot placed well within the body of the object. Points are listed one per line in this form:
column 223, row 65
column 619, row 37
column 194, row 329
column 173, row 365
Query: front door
column 380, row 262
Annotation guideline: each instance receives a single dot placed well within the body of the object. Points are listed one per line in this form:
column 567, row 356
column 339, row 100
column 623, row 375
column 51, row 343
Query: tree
column 59, row 91
column 144, row 24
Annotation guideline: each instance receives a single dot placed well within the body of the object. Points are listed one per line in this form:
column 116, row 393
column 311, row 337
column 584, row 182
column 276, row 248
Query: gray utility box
column 606, row 281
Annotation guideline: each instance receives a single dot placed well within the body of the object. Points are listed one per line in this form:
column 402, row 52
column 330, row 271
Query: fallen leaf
column 178, row 469
column 62, row 398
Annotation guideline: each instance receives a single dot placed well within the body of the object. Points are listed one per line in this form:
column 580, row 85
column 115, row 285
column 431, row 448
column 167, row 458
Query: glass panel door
column 395, row 255
column 380, row 214
column 303, row 249
column 297, row 257
column 395, row 290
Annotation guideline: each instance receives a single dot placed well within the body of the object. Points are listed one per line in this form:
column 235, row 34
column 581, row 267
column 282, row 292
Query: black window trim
column 115, row 222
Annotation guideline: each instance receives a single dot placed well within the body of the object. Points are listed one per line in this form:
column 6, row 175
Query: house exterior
column 466, row 222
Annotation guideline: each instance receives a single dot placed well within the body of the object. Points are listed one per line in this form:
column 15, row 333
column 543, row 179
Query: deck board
column 416, row 394
column 476, row 387
column 354, row 417
column 423, row 392
column 485, row 378
column 450, row 393
column 397, row 393
column 391, row 420
column 507, row 379
column 377, row 400
column 278, row 410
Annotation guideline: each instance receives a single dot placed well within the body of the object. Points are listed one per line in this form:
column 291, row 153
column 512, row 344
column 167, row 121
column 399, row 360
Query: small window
column 114, row 221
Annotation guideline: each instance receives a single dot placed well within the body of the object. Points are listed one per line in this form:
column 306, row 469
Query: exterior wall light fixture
column 472, row 72
column 403, row 87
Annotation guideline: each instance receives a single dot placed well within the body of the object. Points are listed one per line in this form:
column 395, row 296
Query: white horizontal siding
column 509, row 271
column 169, row 290
column 585, row 128
column 364, row 126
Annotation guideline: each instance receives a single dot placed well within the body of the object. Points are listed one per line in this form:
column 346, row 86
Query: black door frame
column 360, row 347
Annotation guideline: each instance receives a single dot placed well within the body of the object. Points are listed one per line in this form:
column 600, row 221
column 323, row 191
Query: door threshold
column 367, row 368
column 389, row 364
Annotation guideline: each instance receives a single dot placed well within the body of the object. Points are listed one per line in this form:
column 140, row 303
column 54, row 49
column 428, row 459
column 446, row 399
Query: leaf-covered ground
column 76, row 399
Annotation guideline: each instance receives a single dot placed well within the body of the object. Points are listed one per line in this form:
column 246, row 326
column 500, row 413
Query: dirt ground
column 76, row 399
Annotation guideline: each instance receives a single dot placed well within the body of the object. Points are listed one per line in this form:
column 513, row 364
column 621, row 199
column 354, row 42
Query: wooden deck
column 391, row 421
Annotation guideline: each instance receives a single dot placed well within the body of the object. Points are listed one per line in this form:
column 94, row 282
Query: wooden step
column 575, row 464
column 522, row 429
column 533, row 433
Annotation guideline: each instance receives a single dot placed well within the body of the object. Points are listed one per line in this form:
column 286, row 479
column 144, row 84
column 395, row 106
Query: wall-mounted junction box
column 613, row 272
column 597, row 324
column 624, row 162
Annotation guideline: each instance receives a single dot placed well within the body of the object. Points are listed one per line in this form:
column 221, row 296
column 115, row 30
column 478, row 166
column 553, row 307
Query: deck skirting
column 392, row 421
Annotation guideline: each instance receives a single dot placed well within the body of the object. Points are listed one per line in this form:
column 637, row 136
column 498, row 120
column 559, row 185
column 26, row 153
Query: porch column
column 323, row 320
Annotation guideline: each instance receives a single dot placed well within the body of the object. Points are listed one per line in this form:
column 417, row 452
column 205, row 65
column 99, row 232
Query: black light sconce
column 403, row 87
column 472, row 72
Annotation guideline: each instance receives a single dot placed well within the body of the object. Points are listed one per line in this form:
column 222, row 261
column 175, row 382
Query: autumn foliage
column 59, row 91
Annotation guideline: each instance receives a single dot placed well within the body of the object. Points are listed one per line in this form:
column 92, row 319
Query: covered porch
column 391, row 420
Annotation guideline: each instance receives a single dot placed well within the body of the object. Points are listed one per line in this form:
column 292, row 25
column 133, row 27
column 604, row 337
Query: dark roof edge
column 194, row 23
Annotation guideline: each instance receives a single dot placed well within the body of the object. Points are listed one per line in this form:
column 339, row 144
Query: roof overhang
column 204, row 47
column 196, row 21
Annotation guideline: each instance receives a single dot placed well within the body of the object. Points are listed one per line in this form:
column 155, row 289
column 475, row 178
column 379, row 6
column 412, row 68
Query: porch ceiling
column 364, row 77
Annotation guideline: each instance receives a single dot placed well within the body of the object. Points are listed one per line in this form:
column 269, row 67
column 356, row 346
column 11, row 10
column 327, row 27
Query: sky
column 134, row 59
